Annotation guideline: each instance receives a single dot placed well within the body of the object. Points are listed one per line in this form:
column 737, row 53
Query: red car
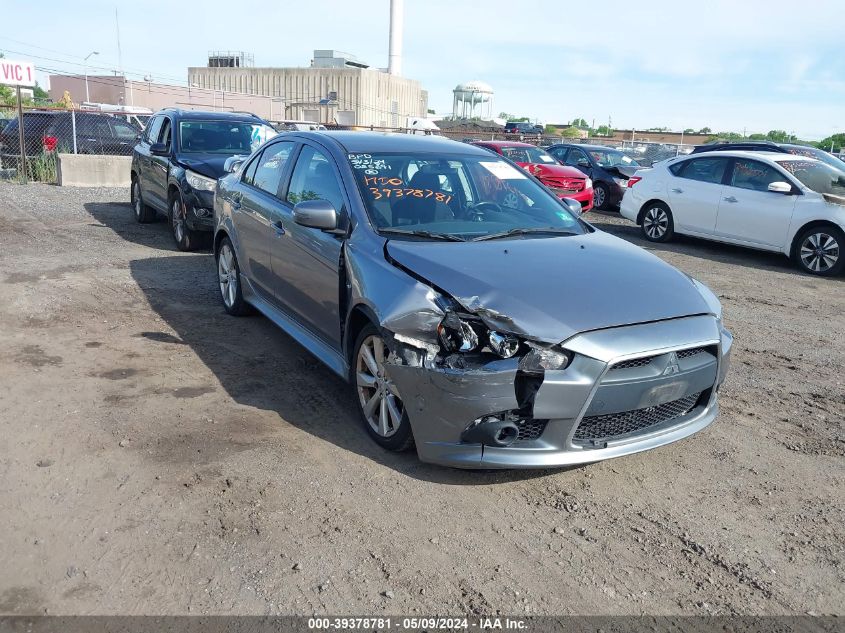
column 565, row 182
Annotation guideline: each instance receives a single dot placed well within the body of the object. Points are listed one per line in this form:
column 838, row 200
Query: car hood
column 624, row 170
column 551, row 288
column 551, row 170
column 210, row 165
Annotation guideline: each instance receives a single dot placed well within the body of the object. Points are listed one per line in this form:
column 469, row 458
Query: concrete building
column 336, row 88
column 118, row 90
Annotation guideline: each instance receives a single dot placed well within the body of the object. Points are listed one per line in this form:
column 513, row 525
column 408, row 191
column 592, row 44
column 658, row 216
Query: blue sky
column 754, row 65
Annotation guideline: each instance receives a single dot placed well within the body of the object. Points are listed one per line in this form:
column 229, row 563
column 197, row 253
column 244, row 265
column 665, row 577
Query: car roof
column 583, row 146
column 206, row 115
column 503, row 144
column 355, row 142
column 737, row 153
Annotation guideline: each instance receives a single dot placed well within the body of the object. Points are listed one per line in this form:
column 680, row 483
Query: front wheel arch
column 814, row 224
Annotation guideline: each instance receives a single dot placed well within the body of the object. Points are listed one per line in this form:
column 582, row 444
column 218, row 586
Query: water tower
column 472, row 99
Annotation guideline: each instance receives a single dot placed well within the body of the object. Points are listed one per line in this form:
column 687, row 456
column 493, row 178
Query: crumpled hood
column 210, row 165
column 624, row 170
column 551, row 170
column 551, row 288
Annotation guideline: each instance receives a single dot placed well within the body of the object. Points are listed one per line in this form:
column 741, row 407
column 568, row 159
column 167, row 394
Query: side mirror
column 315, row 214
column 233, row 164
column 159, row 149
column 573, row 205
column 780, row 187
column 583, row 162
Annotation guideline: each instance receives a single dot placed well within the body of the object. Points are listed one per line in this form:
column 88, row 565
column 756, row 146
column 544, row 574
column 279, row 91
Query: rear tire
column 601, row 197
column 143, row 212
column 379, row 405
column 185, row 238
column 657, row 224
column 229, row 280
column 820, row 250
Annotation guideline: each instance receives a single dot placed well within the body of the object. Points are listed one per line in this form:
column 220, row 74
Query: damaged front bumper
column 627, row 390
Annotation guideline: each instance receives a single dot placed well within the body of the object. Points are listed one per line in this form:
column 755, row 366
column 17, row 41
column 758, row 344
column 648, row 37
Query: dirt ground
column 160, row 457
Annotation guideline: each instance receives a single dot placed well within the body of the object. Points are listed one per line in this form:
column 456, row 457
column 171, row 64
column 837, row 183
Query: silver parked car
column 475, row 314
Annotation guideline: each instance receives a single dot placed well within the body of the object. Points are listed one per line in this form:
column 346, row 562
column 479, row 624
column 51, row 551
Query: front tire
column 229, row 280
column 379, row 404
column 143, row 212
column 185, row 238
column 658, row 224
column 819, row 251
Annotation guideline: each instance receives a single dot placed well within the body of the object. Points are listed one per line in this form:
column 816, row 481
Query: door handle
column 279, row 228
column 731, row 199
column 676, row 190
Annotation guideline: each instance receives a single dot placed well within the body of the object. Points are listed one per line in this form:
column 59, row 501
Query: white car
column 775, row 202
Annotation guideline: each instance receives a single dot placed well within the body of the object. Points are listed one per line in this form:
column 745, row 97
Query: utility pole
column 23, row 170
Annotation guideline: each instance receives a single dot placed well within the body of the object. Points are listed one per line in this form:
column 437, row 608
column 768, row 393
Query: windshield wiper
column 550, row 230
column 419, row 233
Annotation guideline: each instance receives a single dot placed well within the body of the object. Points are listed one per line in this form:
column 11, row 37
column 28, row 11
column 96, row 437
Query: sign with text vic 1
column 14, row 73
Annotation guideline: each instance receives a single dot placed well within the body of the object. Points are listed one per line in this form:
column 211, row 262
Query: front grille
column 609, row 426
column 530, row 429
column 686, row 353
column 634, row 362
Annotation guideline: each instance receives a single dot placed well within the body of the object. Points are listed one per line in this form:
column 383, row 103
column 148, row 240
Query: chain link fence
column 50, row 131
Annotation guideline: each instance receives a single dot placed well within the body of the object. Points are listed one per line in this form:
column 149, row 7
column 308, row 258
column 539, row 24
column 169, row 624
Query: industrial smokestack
column 394, row 66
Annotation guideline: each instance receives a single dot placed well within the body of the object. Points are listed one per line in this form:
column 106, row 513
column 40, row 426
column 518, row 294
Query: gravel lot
column 159, row 457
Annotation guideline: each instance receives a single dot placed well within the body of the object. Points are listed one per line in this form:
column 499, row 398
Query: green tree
column 689, row 130
column 571, row 132
column 604, row 130
column 757, row 137
column 581, row 123
column 705, row 130
column 780, row 136
column 513, row 117
column 836, row 140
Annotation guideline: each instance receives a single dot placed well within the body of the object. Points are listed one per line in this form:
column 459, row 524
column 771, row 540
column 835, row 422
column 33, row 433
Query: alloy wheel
column 227, row 274
column 381, row 404
column 598, row 196
column 655, row 222
column 178, row 219
column 820, row 252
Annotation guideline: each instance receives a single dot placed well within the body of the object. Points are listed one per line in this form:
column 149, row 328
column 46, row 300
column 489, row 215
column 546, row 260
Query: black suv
column 769, row 146
column 521, row 127
column 177, row 161
column 49, row 130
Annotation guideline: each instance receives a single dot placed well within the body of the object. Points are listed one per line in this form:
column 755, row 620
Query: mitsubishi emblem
column 673, row 367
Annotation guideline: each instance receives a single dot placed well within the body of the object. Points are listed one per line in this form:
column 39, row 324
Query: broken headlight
column 456, row 335
column 545, row 358
column 504, row 345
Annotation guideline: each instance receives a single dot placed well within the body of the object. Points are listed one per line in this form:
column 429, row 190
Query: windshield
column 455, row 196
column 222, row 137
column 527, row 155
column 812, row 152
column 611, row 158
column 819, row 177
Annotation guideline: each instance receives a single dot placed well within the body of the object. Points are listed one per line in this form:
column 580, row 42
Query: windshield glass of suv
column 819, row 177
column 222, row 137
column 527, row 155
column 465, row 197
column 611, row 158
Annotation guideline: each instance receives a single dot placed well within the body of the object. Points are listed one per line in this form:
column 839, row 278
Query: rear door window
column 270, row 167
column 710, row 170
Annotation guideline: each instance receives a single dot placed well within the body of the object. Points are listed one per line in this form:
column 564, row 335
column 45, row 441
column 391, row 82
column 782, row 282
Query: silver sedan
column 477, row 317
